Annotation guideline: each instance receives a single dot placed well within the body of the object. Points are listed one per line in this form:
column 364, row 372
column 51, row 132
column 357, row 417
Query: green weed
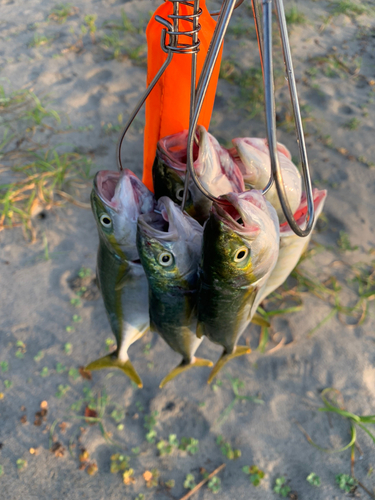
column 60, row 368
column 214, row 485
column 255, row 474
column 62, row 390
column 119, row 463
column 352, row 124
column 21, row 464
column 40, row 40
column 344, row 243
column 1, row 470
column 44, row 372
column 313, row 479
column 236, row 385
column 4, row 365
column 226, row 449
column 166, row 447
column 280, row 487
column 151, row 478
column 189, row 482
column 346, row 483
column 149, row 424
column 348, row 8
column 8, row 384
column 294, row 16
column 191, row 445
column 89, row 26
column 62, row 11
column 74, row 373
column 170, row 484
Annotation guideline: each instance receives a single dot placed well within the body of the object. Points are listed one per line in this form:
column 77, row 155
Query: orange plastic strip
column 168, row 105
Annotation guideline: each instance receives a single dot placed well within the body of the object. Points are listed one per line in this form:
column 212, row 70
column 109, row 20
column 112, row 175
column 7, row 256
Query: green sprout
column 189, row 482
column 68, row 348
column 313, row 479
column 44, row 372
column 119, row 462
column 60, row 368
column 346, row 483
column 39, row 356
column 62, row 390
column 8, row 384
column 255, row 474
column 21, row 464
column 4, row 365
column 226, row 449
column 74, row 373
column 191, row 445
column 214, row 484
column 280, row 487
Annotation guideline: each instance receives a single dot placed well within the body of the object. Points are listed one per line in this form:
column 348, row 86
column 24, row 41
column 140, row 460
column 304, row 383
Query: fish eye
column 165, row 259
column 105, row 220
column 180, row 194
column 241, row 254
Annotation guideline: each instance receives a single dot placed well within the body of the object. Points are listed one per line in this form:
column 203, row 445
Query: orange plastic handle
column 168, row 105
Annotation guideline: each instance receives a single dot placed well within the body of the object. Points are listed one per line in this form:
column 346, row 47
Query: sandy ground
column 89, row 88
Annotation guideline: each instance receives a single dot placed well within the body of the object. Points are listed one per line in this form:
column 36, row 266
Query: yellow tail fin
column 257, row 319
column 183, row 367
column 110, row 361
column 240, row 350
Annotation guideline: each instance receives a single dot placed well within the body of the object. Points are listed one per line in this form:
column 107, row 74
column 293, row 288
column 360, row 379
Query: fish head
column 241, row 239
column 253, row 162
column 169, row 244
column 169, row 170
column 117, row 200
column 216, row 169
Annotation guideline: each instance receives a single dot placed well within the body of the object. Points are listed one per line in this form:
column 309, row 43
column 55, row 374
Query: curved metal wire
column 265, row 49
column 173, row 47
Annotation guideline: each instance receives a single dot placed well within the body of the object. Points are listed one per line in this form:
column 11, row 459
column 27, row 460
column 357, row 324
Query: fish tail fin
column 240, row 350
column 182, row 367
column 111, row 361
column 257, row 319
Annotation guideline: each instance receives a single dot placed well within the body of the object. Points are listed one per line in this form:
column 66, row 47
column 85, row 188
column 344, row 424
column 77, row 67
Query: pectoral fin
column 110, row 361
column 239, row 351
column 257, row 319
column 183, row 367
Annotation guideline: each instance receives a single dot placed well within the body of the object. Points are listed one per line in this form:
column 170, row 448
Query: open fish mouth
column 161, row 224
column 319, row 197
column 242, row 213
column 121, row 190
column 174, row 148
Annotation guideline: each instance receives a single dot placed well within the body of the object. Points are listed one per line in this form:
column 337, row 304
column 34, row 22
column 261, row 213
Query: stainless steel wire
column 264, row 33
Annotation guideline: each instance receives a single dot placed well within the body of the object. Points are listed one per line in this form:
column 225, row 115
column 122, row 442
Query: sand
column 89, row 88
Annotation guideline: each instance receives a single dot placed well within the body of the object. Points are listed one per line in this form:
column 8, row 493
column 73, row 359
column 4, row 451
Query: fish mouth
column 174, row 148
column 319, row 197
column 163, row 223
column 122, row 190
column 240, row 214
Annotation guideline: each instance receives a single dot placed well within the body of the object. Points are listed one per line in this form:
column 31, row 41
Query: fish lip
column 145, row 221
column 99, row 179
column 139, row 190
column 173, row 158
column 223, row 214
column 318, row 198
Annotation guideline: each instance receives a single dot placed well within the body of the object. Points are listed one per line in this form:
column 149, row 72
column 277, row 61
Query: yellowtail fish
column 214, row 166
column 240, row 249
column 169, row 245
column 253, row 158
column 291, row 245
column 117, row 200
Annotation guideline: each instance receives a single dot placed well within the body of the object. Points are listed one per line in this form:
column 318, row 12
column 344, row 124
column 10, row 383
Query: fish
column 117, row 199
column 253, row 158
column 217, row 171
column 169, row 245
column 240, row 249
column 292, row 246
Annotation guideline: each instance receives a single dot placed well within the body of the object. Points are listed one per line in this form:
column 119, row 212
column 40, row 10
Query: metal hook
column 265, row 49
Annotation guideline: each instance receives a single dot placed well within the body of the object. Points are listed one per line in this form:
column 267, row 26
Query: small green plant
column 294, row 16
column 136, row 450
column 119, row 462
column 191, row 445
column 147, row 349
column 89, row 26
column 61, row 12
column 352, row 124
column 149, row 424
column 280, row 487
column 21, row 349
column 76, row 318
column 166, row 447
column 21, row 464
column 8, row 384
column 313, row 479
column 346, row 483
column 4, row 365
column 226, row 449
column 170, row 483
column 255, row 474
column 44, row 372
column 189, row 482
column 348, row 7
column 62, row 390
column 1, row 470
column 39, row 356
column 118, row 414
column 140, row 497
column 76, row 302
column 68, row 348
column 214, row 485
column 344, row 243
column 151, row 478
column 236, row 384
column 60, row 368
column 74, row 373
column 39, row 40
